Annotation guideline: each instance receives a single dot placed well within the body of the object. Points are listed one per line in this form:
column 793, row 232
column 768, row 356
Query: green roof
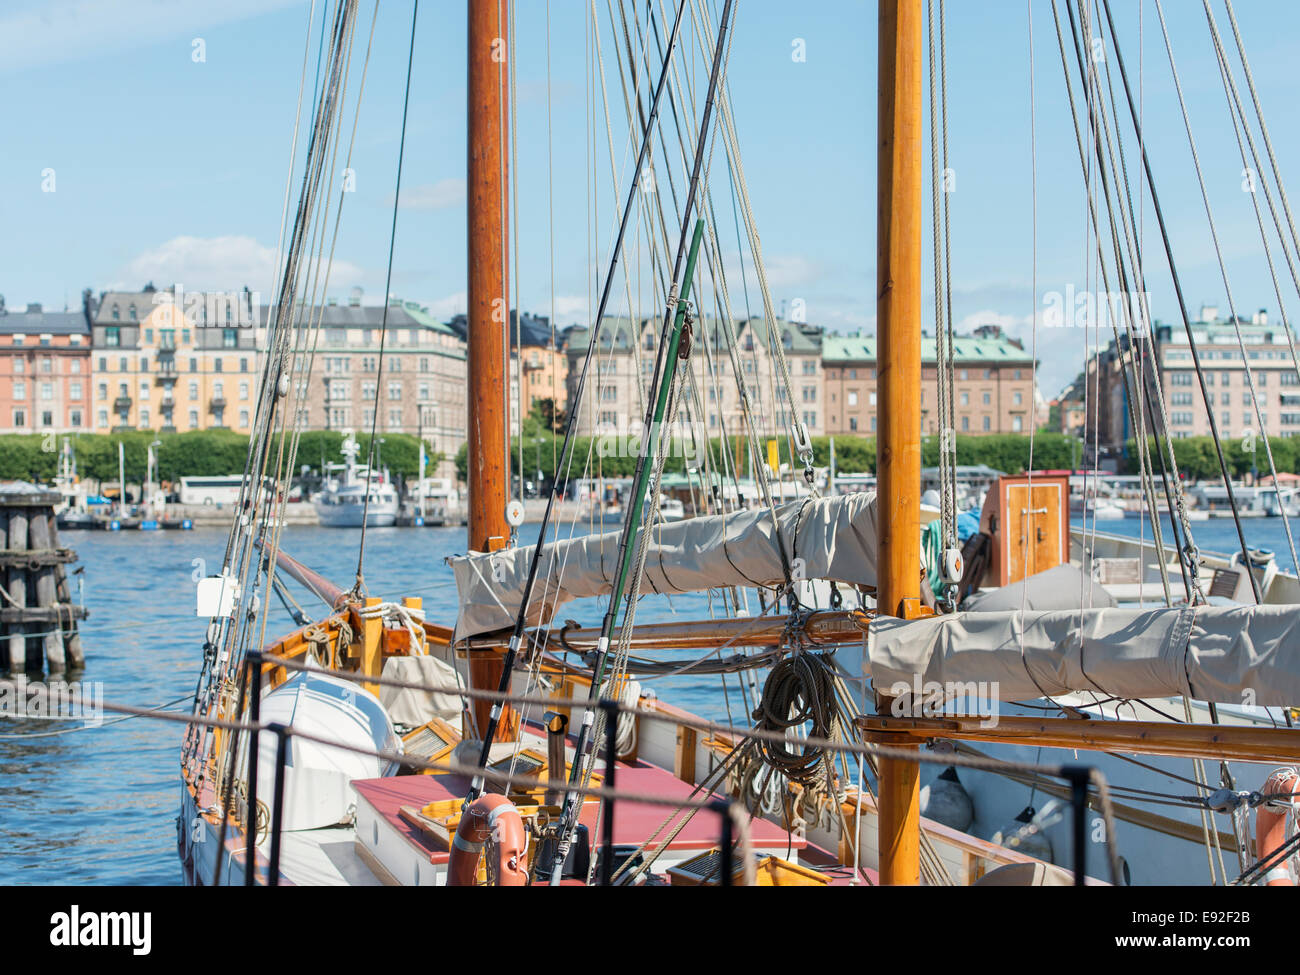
column 853, row 348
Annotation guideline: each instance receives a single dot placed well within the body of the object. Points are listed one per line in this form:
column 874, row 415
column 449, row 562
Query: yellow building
column 172, row 362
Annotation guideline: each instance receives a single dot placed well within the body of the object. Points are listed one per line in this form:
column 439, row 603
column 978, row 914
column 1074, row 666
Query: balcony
column 122, row 405
column 218, row 402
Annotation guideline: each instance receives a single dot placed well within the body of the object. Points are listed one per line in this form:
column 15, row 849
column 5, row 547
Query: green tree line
column 615, row 456
column 1197, row 458
column 199, row 453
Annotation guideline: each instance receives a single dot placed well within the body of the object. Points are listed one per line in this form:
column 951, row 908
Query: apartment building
column 624, row 367
column 45, row 369
column 993, row 385
column 423, row 389
column 1272, row 368
column 166, row 361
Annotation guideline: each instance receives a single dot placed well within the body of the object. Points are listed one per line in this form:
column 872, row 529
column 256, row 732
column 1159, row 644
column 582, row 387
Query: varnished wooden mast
column 898, row 311
column 488, row 296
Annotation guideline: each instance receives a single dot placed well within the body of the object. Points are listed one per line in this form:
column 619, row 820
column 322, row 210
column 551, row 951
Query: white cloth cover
column 1228, row 654
column 412, row 707
column 834, row 537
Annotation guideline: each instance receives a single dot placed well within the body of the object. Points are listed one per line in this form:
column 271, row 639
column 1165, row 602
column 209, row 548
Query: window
column 216, row 364
column 194, row 365
column 243, row 392
column 1181, row 419
column 74, row 391
column 394, row 391
column 47, row 365
column 424, row 364
column 810, row 394
column 243, row 365
column 853, row 423
column 988, row 424
column 424, row 390
column 229, row 336
column 988, row 399
column 243, row 418
column 102, row 418
column 20, row 390
column 75, row 418
column 1017, row 423
column 47, row 391
column 1225, row 399
column 1182, row 379
column 20, row 418
column 394, row 418
column 194, row 419
column 20, row 365
column 810, row 418
column 1016, row 398
column 810, row 367
column 194, row 390
column 965, row 423
column 148, row 336
column 853, row 397
column 103, row 364
column 1180, row 399
column 113, row 334
column 965, row 399
column 144, row 418
column 130, row 312
column 117, row 314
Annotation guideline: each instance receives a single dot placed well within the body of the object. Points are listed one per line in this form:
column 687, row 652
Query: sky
column 149, row 140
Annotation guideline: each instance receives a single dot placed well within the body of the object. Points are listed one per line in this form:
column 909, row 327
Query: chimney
column 1209, row 313
column 1263, row 316
column 354, row 297
column 33, row 307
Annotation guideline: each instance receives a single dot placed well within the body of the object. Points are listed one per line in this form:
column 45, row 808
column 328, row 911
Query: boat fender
column 489, row 817
column 1271, row 824
column 945, row 800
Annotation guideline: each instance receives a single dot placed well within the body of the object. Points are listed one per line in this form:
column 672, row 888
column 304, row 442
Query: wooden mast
column 898, row 310
column 488, row 301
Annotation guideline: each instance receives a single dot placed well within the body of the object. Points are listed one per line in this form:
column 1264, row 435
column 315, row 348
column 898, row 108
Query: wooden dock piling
column 38, row 621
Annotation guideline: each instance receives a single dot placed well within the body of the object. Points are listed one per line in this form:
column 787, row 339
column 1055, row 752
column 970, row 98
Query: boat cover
column 835, row 538
column 1231, row 654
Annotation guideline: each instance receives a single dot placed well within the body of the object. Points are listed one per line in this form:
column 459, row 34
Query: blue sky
column 173, row 171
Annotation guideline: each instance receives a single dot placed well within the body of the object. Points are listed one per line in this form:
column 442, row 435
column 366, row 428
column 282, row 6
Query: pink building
column 45, row 370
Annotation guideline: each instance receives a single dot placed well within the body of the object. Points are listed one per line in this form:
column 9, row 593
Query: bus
column 211, row 490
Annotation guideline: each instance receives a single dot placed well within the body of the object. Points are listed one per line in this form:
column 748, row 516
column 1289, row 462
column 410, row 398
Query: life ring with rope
column 1271, row 824
column 489, row 817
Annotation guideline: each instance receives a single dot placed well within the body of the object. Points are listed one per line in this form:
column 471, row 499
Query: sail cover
column 824, row 538
column 1230, row 654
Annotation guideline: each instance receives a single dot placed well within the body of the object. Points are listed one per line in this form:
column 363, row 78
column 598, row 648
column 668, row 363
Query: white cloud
column 217, row 264
column 434, row 196
column 57, row 31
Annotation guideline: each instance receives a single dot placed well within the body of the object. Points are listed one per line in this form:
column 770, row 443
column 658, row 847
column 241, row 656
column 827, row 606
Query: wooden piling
column 37, row 618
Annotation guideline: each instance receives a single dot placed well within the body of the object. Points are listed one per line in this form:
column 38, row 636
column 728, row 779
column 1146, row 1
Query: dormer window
column 787, row 340
column 131, row 312
column 117, row 314
column 649, row 342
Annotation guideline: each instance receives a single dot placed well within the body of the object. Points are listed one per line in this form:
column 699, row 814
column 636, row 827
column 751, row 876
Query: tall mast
column 898, row 312
column 488, row 292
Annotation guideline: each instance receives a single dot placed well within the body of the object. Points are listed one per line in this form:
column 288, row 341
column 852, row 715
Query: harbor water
column 98, row 806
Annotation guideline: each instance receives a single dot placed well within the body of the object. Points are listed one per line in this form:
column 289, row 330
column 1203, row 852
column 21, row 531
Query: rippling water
column 98, row 806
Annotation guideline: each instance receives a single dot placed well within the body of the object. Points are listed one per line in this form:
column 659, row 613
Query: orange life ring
column 1270, row 822
column 489, row 816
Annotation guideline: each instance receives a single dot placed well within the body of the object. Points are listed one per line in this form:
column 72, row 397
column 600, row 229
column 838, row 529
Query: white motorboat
column 358, row 496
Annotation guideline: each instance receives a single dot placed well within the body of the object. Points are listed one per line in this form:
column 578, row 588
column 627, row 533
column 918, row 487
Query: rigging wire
column 359, row 586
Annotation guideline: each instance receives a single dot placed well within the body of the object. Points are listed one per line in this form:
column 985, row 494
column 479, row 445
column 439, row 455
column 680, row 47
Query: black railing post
column 610, row 707
column 726, row 854
column 253, row 662
column 1078, row 776
column 277, row 800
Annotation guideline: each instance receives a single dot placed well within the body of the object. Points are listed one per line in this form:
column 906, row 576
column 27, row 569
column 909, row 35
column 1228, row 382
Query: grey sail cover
column 1229, row 654
column 832, row 538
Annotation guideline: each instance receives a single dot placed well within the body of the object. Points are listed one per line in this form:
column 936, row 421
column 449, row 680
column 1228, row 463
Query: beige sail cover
column 835, row 538
column 1229, row 654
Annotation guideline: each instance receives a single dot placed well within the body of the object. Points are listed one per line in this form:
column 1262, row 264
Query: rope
column 359, row 587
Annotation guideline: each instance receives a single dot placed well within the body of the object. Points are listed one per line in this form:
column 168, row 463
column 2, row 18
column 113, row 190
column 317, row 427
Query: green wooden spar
column 661, row 406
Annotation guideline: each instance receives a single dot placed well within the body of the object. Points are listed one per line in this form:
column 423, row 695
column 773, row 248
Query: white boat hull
column 352, row 514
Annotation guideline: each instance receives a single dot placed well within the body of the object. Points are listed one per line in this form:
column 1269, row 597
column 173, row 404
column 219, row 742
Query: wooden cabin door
column 1032, row 528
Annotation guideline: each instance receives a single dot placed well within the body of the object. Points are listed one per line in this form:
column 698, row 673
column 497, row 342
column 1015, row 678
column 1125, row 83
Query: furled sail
column 1230, row 654
column 824, row 538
